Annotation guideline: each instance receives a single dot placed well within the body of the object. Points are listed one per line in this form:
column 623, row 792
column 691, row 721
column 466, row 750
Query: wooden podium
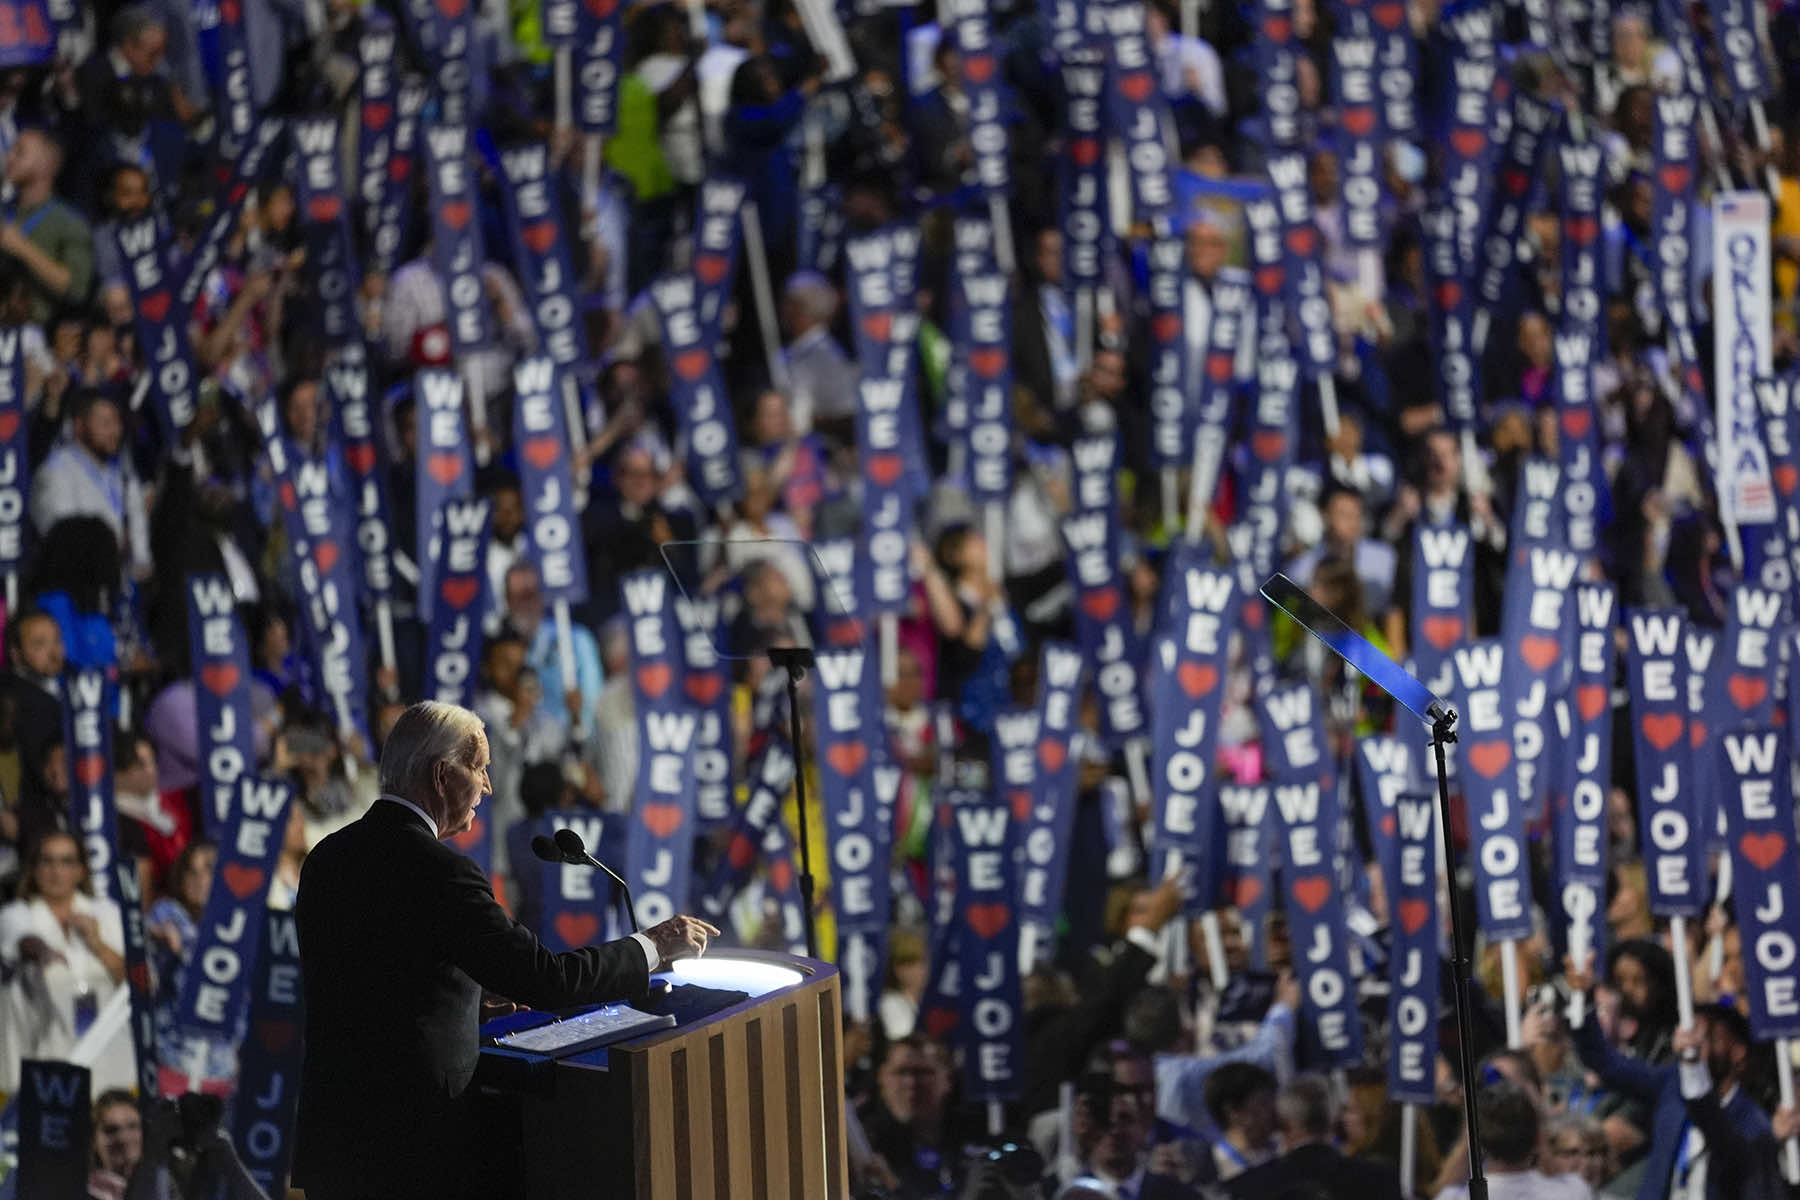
column 747, row 1102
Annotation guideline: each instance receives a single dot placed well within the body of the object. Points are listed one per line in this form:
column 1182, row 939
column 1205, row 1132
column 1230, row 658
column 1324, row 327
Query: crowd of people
column 1178, row 1088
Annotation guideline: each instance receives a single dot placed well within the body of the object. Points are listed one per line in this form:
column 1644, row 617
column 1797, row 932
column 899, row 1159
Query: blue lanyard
column 104, row 480
column 36, row 218
column 1681, row 1160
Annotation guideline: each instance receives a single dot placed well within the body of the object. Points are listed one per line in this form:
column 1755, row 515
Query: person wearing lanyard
column 41, row 233
column 1702, row 1122
column 1727, row 1147
column 85, row 477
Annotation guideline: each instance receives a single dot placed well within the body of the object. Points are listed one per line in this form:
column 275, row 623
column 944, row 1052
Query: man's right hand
column 680, row 937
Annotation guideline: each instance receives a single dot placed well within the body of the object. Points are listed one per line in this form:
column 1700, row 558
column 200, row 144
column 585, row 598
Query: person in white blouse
column 65, row 945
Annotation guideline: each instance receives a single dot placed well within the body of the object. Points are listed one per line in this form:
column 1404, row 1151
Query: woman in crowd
column 66, row 945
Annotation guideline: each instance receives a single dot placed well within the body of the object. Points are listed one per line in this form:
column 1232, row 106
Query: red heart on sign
column 1696, row 734
column 577, row 929
column 1449, row 295
column 1468, row 141
column 884, row 469
column 399, row 168
column 452, row 9
column 1268, row 445
column 219, row 678
column 1246, row 891
column 1763, row 849
column 1021, row 805
column 986, row 920
column 1387, row 825
column 1442, row 631
column 1581, row 231
column 988, row 361
column 90, row 769
column 1747, row 691
column 1590, row 698
column 1084, row 151
column 361, row 457
column 277, row 1037
column 1516, row 180
column 445, row 467
column 1662, row 730
column 154, row 307
column 1577, row 421
column 1052, row 754
column 1358, row 122
column 1269, row 280
column 847, row 758
column 230, row 11
column 326, row 555
column 1674, row 177
column 741, row 852
column 243, row 881
column 653, row 679
column 376, row 114
column 879, row 325
column 602, row 9
column 542, row 451
column 1540, row 651
column 1312, row 892
column 1136, row 87
column 1218, row 367
column 1413, row 914
column 138, row 976
column 1277, row 28
column 1101, row 604
column 1787, row 477
column 663, row 819
column 1302, row 241
column 710, row 268
column 1197, row 679
column 1389, row 16
column 455, row 214
column 324, row 207
column 9, row 424
column 692, row 364
column 703, row 687
column 978, row 68
column 939, row 1022
column 458, row 593
column 781, row 874
column 1488, row 759
column 539, row 236
column 1165, row 327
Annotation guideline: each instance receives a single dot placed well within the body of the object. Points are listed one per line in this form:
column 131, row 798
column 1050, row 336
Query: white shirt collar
column 423, row 815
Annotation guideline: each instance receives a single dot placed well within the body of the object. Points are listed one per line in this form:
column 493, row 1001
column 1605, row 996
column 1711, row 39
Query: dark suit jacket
column 1728, row 1131
column 399, row 934
column 1344, row 1178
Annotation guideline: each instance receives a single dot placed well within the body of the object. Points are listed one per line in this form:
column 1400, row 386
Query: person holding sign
column 399, row 935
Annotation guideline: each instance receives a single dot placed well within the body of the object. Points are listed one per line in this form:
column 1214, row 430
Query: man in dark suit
column 1304, row 1111
column 1702, row 1121
column 399, row 935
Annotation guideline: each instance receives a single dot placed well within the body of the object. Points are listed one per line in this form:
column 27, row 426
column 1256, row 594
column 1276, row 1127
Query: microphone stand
column 1442, row 734
column 795, row 660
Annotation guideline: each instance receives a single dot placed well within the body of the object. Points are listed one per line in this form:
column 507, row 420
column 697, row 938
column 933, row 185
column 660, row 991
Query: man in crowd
column 42, row 235
column 87, row 477
column 1307, row 1118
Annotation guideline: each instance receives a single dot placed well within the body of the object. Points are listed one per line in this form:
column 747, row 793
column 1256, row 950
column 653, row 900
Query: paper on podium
column 603, row 1026
column 1355, row 649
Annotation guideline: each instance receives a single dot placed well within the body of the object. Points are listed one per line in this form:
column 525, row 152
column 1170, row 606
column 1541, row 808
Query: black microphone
column 574, row 850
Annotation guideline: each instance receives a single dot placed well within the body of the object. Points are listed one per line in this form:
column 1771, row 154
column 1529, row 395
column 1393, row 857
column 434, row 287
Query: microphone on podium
column 569, row 848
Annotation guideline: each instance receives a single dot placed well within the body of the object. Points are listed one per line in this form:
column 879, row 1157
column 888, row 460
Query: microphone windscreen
column 545, row 849
column 570, row 843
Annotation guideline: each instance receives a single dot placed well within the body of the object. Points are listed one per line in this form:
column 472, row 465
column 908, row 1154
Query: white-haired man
column 399, row 935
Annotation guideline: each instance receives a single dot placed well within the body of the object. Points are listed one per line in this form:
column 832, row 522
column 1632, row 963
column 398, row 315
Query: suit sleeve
column 506, row 958
column 1639, row 1080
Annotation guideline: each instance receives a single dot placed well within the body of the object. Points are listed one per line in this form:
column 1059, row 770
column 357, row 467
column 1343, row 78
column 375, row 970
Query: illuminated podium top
column 667, row 1109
